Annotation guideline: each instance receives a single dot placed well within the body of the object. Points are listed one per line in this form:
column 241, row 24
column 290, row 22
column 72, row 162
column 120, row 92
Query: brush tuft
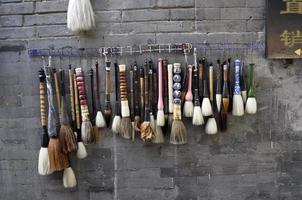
column 126, row 127
column 159, row 136
column 81, row 152
column 238, row 106
column 57, row 159
column 188, row 109
column 178, row 133
column 43, row 164
column 147, row 133
column 116, row 124
column 211, row 126
column 197, row 119
column 86, row 128
column 100, row 121
column 137, row 123
column 160, row 118
column 67, row 139
column 69, row 179
column 206, row 107
column 251, row 105
column 107, row 114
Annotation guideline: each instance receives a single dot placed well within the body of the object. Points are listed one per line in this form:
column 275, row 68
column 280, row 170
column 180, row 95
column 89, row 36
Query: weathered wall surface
column 260, row 157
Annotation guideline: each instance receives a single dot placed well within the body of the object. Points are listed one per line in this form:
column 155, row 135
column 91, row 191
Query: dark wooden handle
column 71, row 91
column 76, row 102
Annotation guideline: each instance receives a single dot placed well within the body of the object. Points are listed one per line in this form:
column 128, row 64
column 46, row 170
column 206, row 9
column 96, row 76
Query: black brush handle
column 155, row 91
column 218, row 78
column 195, row 87
column 92, row 93
column 165, row 86
column 117, row 90
column 146, row 90
column 142, row 91
column 97, row 83
column 150, row 85
column 131, row 76
column 136, row 90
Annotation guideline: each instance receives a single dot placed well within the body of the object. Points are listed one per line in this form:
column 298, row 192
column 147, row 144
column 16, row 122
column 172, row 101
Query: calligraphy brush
column 72, row 103
column 99, row 121
column 81, row 152
column 66, row 136
column 142, row 91
column 165, row 93
column 116, row 123
column 197, row 119
column 126, row 126
column 218, row 96
column 43, row 163
column 170, row 94
column 159, row 137
column 57, row 159
column 95, row 129
column 151, row 95
column 57, row 86
column 86, row 126
column 160, row 103
column 225, row 98
column 206, row 107
column 178, row 129
column 137, row 118
column 238, row 106
column 211, row 125
column 200, row 78
column 188, row 106
column 251, row 103
column 243, row 83
column 131, row 79
column 108, row 110
column 230, row 81
column 147, row 133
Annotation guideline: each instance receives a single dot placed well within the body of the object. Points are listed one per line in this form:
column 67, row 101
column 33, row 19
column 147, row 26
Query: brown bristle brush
column 116, row 123
column 170, row 94
column 126, row 126
column 178, row 130
column 66, row 135
column 57, row 159
column 225, row 98
column 137, row 119
column 86, row 126
column 95, row 129
column 99, row 121
column 108, row 110
column 81, row 152
column 43, row 164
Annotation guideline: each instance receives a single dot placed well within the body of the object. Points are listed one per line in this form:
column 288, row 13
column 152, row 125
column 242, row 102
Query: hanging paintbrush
column 72, row 104
column 86, row 126
column 131, row 81
column 211, row 125
column 170, row 94
column 165, row 92
column 225, row 98
column 57, row 159
column 57, row 86
column 108, row 110
column 66, row 136
column 178, row 130
column 142, row 91
column 100, row 121
column 160, row 103
column 43, row 164
column 218, row 96
column 81, row 152
column 230, row 81
column 201, row 78
column 188, row 106
column 184, row 78
column 126, row 126
column 137, row 111
column 197, row 119
column 206, row 107
column 151, row 95
column 243, row 83
column 95, row 129
column 251, row 103
column 238, row 106
column 116, row 124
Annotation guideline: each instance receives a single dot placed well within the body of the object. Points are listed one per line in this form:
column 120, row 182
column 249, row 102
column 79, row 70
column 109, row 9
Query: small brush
column 131, row 81
column 99, row 120
column 72, row 103
column 251, row 103
column 137, row 119
column 197, row 119
column 151, row 96
column 238, row 105
column 95, row 129
column 160, row 103
column 200, row 78
column 188, row 106
column 218, row 96
column 165, row 95
column 116, row 123
column 206, row 107
column 108, row 110
column 225, row 98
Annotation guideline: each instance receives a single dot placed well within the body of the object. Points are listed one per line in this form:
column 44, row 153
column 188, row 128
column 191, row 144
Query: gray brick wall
column 259, row 157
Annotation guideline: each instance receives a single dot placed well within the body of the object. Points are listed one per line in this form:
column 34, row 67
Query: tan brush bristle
column 58, row 160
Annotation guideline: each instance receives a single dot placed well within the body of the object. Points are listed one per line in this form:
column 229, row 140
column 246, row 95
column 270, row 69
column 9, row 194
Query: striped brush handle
column 123, row 91
column 71, row 91
column 237, row 89
column 82, row 95
column 42, row 98
column 177, row 91
column 76, row 102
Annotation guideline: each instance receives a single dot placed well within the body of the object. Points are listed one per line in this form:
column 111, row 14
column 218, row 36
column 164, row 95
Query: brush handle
column 195, row 86
column 218, row 79
column 170, row 87
column 155, row 91
column 146, row 89
column 165, row 86
column 131, row 74
column 136, row 86
column 58, row 92
column 97, row 83
column 237, row 89
column 201, row 67
column 160, row 103
column 76, row 103
column 71, row 91
column 251, row 91
column 117, row 91
column 150, row 85
column 211, row 82
column 92, row 93
column 189, row 95
column 242, row 78
column 229, row 76
column 82, row 95
column 225, row 88
column 142, row 91
column 177, row 92
column 42, row 98
column 123, row 91
column 107, row 89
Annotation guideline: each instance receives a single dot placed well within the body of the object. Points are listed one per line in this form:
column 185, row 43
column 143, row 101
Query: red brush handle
column 160, row 103
column 189, row 95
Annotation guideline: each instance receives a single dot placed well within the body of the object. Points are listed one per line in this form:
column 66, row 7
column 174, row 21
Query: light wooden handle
column 107, row 90
column 43, row 103
column 58, row 91
column 211, row 82
column 71, row 91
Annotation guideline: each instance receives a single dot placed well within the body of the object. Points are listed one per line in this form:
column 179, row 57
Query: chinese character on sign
column 291, row 38
column 292, row 7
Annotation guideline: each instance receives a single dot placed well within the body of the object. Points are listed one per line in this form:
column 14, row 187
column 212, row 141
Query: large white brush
column 160, row 104
column 251, row 103
column 238, row 106
column 188, row 106
column 80, row 16
column 69, row 179
column 197, row 119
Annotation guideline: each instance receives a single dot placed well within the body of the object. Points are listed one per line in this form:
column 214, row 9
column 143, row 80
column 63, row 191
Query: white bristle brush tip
column 251, row 105
column 160, row 118
column 125, row 109
column 197, row 119
column 188, row 109
column 69, row 179
column 81, row 152
column 238, row 106
column 100, row 121
column 43, row 163
column 116, row 124
column 211, row 126
column 206, row 107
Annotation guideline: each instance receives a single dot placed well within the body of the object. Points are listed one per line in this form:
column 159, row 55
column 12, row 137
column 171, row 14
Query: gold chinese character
column 292, row 7
column 291, row 38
